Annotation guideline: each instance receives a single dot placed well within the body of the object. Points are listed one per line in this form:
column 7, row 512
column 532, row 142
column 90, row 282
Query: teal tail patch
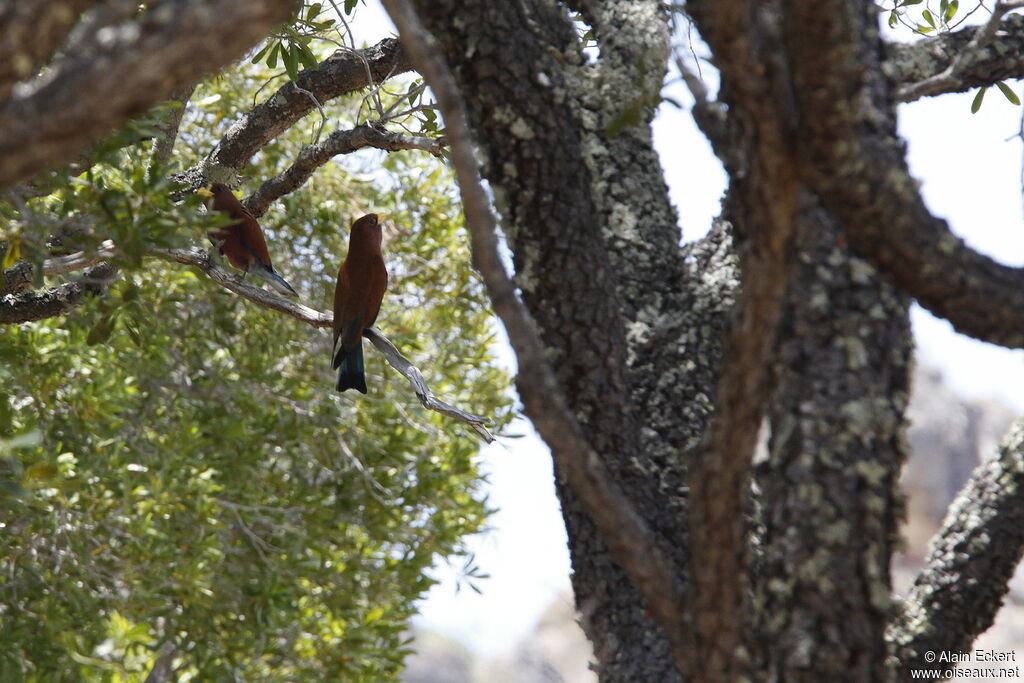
column 351, row 373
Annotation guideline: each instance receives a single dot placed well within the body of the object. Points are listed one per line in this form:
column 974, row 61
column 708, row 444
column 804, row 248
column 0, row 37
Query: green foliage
column 292, row 42
column 930, row 21
column 174, row 463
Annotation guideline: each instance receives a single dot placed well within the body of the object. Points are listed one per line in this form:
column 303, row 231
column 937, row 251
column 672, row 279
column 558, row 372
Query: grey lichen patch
column 521, row 129
column 637, row 333
column 978, row 543
column 949, row 243
column 874, row 473
column 880, row 595
column 623, row 223
column 837, row 533
column 860, row 416
column 861, row 271
column 856, row 353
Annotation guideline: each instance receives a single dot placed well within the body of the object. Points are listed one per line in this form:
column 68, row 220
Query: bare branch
column 268, row 299
column 419, row 385
column 954, row 76
column 343, row 72
column 340, row 142
column 31, row 306
column 202, row 260
column 972, row 558
column 630, row 540
column 130, row 67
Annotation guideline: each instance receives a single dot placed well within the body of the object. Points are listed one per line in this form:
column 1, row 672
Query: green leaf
column 101, row 331
column 291, row 62
column 1008, row 93
column 893, row 18
column 13, row 253
column 313, row 10
column 259, row 55
column 272, row 59
column 951, row 10
column 350, row 5
column 41, row 470
column 929, row 18
column 307, row 57
column 976, row 104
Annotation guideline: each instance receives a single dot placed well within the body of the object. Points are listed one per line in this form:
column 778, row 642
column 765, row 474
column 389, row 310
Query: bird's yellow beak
column 204, row 192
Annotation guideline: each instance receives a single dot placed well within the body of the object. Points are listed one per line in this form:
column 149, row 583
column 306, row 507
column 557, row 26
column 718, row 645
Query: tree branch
column 201, row 259
column 960, row 60
column 31, row 306
column 163, row 144
column 629, row 539
column 129, row 68
column 340, row 142
column 32, row 31
column 419, row 385
column 972, row 558
column 852, row 157
column 709, row 115
column 343, row 72
column 745, row 39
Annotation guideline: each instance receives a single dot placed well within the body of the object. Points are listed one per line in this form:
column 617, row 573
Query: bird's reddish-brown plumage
column 362, row 280
column 241, row 242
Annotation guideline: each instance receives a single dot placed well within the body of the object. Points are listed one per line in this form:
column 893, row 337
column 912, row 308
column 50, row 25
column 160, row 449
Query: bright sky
column 970, row 169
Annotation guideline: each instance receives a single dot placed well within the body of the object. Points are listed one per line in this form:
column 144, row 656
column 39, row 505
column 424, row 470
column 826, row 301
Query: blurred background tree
column 183, row 495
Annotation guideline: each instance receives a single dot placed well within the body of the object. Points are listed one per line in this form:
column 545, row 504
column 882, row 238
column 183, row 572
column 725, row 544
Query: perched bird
column 362, row 280
column 242, row 242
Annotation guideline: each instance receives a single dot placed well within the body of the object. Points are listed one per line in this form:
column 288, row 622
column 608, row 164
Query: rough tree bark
column 665, row 357
column 826, row 503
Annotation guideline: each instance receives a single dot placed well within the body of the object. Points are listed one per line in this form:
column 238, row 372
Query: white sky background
column 970, row 169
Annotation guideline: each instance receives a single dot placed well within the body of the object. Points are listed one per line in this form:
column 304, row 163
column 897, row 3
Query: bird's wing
column 346, row 336
column 375, row 290
column 253, row 239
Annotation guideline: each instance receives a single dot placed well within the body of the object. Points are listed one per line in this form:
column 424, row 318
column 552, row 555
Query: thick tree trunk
column 637, row 328
column 595, row 244
column 828, row 488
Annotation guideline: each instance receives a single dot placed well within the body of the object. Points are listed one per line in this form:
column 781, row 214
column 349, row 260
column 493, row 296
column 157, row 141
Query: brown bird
column 243, row 242
column 362, row 280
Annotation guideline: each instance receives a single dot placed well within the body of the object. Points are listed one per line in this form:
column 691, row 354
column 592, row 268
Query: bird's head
column 367, row 226
column 213, row 190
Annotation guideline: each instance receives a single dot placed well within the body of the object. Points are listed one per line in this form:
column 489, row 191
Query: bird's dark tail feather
column 351, row 373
